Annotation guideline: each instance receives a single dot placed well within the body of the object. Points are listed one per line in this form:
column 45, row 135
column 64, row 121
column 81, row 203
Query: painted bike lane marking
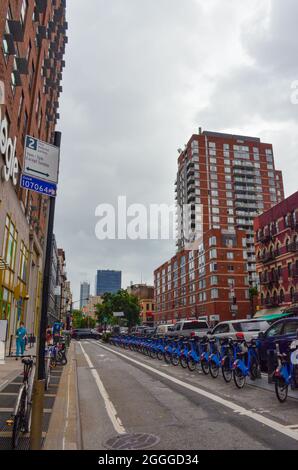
column 111, row 410
column 226, row 403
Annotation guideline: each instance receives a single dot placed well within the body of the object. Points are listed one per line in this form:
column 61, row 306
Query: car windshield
column 251, row 326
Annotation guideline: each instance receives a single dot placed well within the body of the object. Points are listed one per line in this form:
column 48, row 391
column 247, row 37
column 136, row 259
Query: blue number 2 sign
column 31, row 143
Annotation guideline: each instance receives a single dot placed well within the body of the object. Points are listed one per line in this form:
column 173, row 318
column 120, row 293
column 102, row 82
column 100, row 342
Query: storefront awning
column 273, row 313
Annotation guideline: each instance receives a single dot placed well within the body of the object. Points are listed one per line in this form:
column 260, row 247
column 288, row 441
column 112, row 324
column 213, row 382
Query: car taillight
column 240, row 336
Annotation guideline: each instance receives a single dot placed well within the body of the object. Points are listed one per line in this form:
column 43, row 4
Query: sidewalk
column 64, row 431
column 12, row 368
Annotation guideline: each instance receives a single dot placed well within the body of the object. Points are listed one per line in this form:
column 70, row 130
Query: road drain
column 137, row 441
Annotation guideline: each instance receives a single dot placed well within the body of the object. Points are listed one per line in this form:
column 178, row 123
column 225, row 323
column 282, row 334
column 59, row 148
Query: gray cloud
column 141, row 76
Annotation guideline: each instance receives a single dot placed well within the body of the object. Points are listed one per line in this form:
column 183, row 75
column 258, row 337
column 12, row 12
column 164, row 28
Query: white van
column 163, row 330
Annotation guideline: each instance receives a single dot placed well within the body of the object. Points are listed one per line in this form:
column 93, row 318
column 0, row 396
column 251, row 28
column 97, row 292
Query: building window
column 24, row 11
column 230, row 255
column 212, row 241
column 214, row 294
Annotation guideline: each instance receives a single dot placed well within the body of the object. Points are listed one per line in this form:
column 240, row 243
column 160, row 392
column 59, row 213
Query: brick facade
column 230, row 179
column 33, row 38
column 277, row 254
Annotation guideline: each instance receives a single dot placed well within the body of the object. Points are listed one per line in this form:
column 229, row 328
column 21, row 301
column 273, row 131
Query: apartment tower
column 223, row 182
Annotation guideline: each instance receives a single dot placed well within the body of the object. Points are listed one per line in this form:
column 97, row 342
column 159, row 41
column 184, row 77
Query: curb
column 64, row 431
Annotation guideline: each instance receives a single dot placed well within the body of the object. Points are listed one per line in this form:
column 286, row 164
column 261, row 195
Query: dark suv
column 283, row 332
column 84, row 333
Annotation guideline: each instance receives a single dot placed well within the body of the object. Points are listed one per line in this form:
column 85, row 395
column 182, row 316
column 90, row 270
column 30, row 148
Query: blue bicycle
column 229, row 355
column 246, row 364
column 286, row 373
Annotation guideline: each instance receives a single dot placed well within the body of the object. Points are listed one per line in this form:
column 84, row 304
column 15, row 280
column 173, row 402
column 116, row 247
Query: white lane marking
column 228, row 404
column 292, row 426
column 112, row 413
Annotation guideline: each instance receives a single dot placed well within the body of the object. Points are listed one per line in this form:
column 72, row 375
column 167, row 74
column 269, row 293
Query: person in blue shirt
column 21, row 335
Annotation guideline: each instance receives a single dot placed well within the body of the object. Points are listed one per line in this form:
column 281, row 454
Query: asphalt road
column 122, row 392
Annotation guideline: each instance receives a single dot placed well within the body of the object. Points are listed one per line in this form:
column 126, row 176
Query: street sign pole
column 39, row 384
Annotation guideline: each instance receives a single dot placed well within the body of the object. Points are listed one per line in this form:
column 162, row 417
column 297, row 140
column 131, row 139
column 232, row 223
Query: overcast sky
column 141, row 77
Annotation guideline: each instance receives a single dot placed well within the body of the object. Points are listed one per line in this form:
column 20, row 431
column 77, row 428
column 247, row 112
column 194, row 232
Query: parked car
column 282, row 332
column 190, row 328
column 85, row 333
column 150, row 331
column 240, row 329
column 163, row 330
column 138, row 330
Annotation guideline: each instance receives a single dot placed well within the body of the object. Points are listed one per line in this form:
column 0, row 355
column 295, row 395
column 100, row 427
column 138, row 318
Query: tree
column 76, row 318
column 80, row 321
column 122, row 301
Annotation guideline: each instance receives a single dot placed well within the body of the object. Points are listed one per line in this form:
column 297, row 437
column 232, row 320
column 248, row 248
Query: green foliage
column 120, row 302
column 253, row 292
column 106, row 337
column 88, row 323
column 79, row 321
column 76, row 318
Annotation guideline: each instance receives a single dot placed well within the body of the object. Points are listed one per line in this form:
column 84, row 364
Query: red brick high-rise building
column 33, row 39
column 224, row 181
column 277, row 255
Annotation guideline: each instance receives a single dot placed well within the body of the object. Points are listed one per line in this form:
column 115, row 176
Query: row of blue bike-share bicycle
column 236, row 359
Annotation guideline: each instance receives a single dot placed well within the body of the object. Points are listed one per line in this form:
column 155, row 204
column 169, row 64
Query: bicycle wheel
column 153, row 354
column 281, row 390
column 19, row 420
column 254, row 369
column 205, row 367
column 183, row 362
column 239, row 378
column 227, row 371
column 28, row 418
column 167, row 357
column 175, row 360
column 213, row 369
column 160, row 355
column 191, row 364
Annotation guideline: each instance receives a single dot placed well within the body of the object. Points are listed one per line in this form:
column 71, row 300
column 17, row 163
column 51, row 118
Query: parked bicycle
column 286, row 373
column 20, row 419
column 246, row 364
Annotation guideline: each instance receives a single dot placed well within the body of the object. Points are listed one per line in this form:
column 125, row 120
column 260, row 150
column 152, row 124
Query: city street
column 123, row 392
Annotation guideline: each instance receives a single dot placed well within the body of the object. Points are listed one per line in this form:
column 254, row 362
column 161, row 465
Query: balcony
column 265, row 238
column 294, row 273
column 293, row 247
column 272, row 279
column 268, row 257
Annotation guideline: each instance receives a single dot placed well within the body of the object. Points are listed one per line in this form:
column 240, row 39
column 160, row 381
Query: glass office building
column 107, row 282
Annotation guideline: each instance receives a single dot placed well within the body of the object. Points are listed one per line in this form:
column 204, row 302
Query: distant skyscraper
column 107, row 282
column 84, row 294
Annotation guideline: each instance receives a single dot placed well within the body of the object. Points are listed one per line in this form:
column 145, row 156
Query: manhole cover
column 137, row 441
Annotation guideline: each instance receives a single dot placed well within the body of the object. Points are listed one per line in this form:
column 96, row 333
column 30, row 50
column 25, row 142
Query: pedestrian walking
column 21, row 335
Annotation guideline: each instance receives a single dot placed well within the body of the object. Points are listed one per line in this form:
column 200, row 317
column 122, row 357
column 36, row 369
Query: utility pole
column 39, row 383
